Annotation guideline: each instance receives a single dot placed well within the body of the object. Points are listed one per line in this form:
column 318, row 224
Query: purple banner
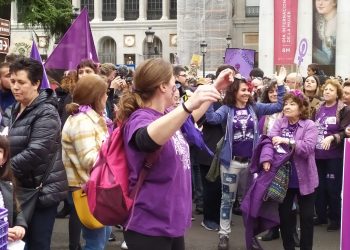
column 34, row 54
column 241, row 59
column 345, row 224
column 77, row 44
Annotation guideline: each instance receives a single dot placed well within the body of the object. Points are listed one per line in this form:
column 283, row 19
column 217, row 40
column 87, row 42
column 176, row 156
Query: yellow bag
column 83, row 211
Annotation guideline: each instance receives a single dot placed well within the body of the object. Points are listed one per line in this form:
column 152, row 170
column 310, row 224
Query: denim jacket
column 224, row 113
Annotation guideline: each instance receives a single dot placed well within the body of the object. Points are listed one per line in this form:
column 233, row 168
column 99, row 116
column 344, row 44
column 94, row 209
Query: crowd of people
column 219, row 142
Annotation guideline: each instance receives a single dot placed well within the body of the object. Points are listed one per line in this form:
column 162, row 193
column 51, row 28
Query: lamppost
column 203, row 45
column 149, row 39
column 228, row 41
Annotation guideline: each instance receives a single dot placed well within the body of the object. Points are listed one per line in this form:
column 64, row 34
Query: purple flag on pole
column 241, row 59
column 76, row 44
column 345, row 220
column 34, row 54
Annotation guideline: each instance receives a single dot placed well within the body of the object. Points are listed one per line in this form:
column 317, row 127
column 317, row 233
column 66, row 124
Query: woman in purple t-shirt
column 163, row 206
column 331, row 118
column 240, row 114
column 296, row 130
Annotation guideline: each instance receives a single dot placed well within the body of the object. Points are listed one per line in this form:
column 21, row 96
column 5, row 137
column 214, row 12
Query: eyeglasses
column 183, row 75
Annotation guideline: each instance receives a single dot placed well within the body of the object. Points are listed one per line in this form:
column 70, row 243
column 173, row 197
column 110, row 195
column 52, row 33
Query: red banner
column 286, row 18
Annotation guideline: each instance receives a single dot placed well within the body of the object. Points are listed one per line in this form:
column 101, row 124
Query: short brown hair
column 335, row 83
column 299, row 98
column 107, row 68
column 88, row 91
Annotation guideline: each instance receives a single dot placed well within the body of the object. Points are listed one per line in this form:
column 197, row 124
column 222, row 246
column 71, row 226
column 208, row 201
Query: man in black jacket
column 35, row 142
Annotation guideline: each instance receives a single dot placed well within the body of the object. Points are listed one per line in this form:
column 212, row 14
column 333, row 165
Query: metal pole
column 203, row 65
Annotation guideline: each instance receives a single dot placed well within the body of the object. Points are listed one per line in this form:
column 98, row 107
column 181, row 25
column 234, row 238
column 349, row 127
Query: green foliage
column 4, row 2
column 54, row 16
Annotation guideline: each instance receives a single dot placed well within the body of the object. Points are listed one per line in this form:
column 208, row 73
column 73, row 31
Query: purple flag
column 241, row 59
column 76, row 44
column 345, row 221
column 34, row 54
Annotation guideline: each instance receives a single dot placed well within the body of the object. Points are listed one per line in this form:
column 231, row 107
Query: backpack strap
column 147, row 165
column 149, row 161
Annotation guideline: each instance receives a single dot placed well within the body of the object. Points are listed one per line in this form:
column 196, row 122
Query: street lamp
column 203, row 45
column 228, row 41
column 149, row 39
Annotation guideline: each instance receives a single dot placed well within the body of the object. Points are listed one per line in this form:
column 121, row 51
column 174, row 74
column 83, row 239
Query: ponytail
column 72, row 108
column 128, row 103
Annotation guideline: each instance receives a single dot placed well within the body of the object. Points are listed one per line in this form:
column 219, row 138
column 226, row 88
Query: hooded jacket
column 35, row 138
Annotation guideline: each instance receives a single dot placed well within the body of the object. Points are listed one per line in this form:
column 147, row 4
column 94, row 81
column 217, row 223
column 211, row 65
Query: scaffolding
column 203, row 20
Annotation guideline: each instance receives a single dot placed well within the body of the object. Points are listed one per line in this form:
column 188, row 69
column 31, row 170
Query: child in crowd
column 17, row 223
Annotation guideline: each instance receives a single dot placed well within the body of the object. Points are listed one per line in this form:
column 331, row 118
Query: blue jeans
column 229, row 185
column 96, row 239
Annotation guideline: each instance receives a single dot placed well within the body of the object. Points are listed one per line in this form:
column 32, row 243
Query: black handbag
column 28, row 197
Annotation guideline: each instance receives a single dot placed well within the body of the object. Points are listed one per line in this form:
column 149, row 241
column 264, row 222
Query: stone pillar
column 14, row 18
column 266, row 36
column 165, row 9
column 120, row 10
column 305, row 24
column 142, row 10
column 97, row 11
column 343, row 37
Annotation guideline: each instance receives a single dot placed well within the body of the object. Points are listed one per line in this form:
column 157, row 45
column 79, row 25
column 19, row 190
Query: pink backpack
column 108, row 186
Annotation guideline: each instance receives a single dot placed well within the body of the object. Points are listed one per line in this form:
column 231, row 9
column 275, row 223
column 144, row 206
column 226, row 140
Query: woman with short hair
column 331, row 117
column 35, row 143
column 299, row 133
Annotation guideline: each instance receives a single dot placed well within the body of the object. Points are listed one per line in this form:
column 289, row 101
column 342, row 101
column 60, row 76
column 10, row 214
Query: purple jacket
column 304, row 155
column 260, row 215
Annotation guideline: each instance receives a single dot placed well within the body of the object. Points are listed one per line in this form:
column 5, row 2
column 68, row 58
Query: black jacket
column 15, row 218
column 35, row 137
column 63, row 98
column 211, row 136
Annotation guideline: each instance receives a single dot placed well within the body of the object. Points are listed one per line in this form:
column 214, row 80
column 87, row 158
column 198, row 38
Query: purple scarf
column 86, row 108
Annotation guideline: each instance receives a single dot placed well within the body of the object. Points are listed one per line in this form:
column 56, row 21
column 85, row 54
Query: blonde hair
column 149, row 75
column 335, row 83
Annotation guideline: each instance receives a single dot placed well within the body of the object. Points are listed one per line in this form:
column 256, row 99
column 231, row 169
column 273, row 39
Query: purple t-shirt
column 243, row 133
column 289, row 132
column 163, row 207
column 326, row 123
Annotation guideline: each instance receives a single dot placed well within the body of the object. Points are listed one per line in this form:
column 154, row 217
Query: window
column 89, row 4
column 108, row 51
column 20, row 10
column 173, row 9
column 252, row 8
column 154, row 9
column 131, row 9
column 109, row 10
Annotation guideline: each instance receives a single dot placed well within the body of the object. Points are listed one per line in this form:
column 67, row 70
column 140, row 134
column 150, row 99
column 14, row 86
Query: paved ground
column 200, row 239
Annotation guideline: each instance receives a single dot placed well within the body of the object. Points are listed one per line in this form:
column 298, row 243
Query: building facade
column 179, row 26
column 118, row 28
